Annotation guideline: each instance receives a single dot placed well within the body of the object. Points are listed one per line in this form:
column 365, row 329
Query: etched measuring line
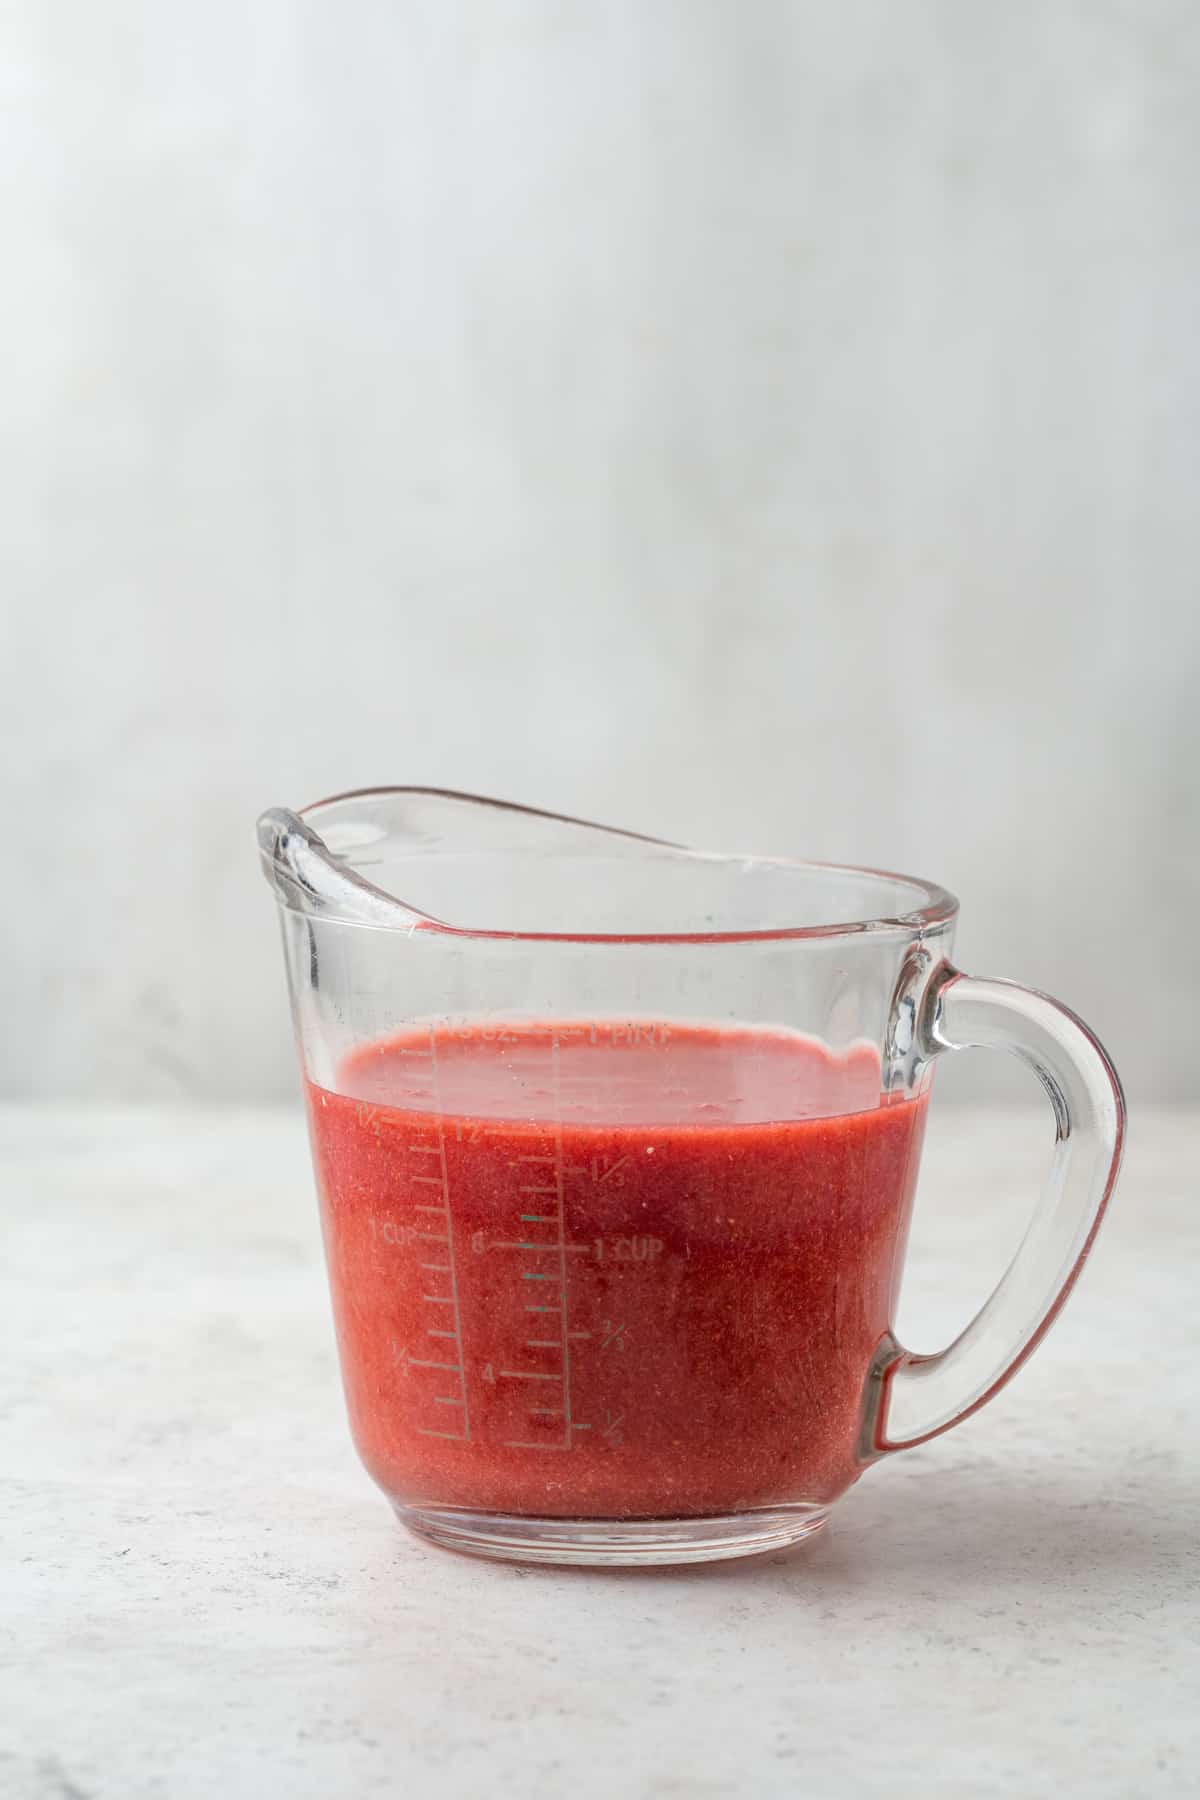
column 456, row 1437
column 547, row 1412
column 537, row 1190
column 438, row 1268
column 427, row 1180
column 541, row 1309
column 431, row 1237
column 553, row 1248
column 538, row 1219
column 446, row 1334
column 423, row 1362
column 438, row 1299
column 527, row 1275
column 522, row 1444
column 562, row 1236
column 444, row 1178
column 526, row 1375
column 447, row 1400
column 546, row 1343
column 427, row 1206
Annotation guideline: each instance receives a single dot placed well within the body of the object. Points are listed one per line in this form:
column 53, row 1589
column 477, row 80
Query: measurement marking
column 431, row 1237
column 546, row 1412
column 525, row 1375
column 544, row 1343
column 562, row 1238
column 422, row 1149
column 581, row 1428
column 440, row 1268
column 527, row 1244
column 448, row 1400
column 541, row 1309
column 438, row 1299
column 456, row 1437
column 449, row 1334
column 525, row 1190
column 528, row 1277
column 426, row 1206
column 538, row 1219
column 444, row 1176
column 524, row 1444
column 579, row 1334
column 421, row 1362
column 427, row 1180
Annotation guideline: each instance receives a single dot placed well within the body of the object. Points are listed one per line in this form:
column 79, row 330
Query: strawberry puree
column 611, row 1270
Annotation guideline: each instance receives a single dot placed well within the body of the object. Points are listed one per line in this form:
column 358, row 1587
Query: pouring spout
column 309, row 877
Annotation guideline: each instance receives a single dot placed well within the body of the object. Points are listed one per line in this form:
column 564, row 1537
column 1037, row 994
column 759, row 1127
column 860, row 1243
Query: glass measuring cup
column 616, row 1145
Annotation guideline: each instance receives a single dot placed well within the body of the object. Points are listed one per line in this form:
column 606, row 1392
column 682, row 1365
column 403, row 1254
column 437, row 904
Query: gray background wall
column 770, row 424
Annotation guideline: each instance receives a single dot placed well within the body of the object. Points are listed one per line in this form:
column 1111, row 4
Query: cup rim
column 934, row 906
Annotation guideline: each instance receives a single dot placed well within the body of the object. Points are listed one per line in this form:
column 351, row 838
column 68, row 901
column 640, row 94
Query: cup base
column 614, row 1543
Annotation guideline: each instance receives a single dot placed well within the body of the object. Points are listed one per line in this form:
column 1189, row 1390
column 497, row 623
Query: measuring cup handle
column 912, row 1398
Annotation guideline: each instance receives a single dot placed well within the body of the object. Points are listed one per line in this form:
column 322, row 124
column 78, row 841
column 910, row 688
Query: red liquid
column 666, row 1303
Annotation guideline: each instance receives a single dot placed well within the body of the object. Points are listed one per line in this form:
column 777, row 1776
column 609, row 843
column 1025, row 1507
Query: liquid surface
column 617, row 1074
column 611, row 1271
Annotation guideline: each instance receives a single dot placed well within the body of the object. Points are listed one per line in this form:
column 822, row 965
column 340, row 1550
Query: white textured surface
column 205, row 1595
column 771, row 425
